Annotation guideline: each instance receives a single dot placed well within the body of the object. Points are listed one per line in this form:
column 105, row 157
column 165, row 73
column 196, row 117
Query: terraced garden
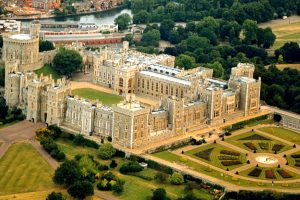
column 219, row 156
column 254, row 142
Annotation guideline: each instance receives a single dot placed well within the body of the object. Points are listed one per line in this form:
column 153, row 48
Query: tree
column 142, row 17
column 66, row 62
column 129, row 167
column 176, row 178
column 159, row 194
column 194, row 42
column 123, row 21
column 277, row 117
column 45, row 46
column 106, row 151
column 250, row 31
column 269, row 38
column 2, row 76
column 118, row 187
column 67, row 173
column 165, row 28
column 55, row 130
column 113, row 164
column 186, row 61
column 218, row 69
column 3, row 108
column 129, row 38
column 81, row 189
column 55, row 196
column 151, row 38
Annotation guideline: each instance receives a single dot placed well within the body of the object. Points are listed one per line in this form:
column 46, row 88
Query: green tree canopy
column 81, row 189
column 67, row 173
column 159, row 194
column 66, row 62
column 165, row 28
column 3, row 108
column 218, row 69
column 1, row 41
column 2, row 76
column 45, row 45
column 177, row 178
column 106, row 151
column 151, row 38
column 55, row 196
column 185, row 61
column 123, row 21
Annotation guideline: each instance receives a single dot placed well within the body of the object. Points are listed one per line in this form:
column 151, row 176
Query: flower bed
column 231, row 162
column 255, row 172
column 231, row 153
column 284, row 174
column 250, row 145
column 227, row 158
column 264, row 145
column 270, row 174
column 277, row 147
column 255, row 137
column 205, row 154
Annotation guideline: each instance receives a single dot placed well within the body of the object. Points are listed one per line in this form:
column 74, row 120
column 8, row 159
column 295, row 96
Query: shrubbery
column 129, row 167
column 51, row 147
column 81, row 141
column 106, row 151
column 176, row 179
column 55, row 196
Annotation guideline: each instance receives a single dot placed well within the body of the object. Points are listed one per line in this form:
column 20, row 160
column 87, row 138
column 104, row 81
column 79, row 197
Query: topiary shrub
column 176, row 179
column 106, row 151
column 132, row 166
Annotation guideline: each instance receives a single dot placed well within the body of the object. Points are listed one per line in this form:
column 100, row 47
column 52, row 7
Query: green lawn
column 22, row 169
column 91, row 94
column 46, row 70
column 283, row 133
column 71, row 149
column 215, row 154
column 236, row 140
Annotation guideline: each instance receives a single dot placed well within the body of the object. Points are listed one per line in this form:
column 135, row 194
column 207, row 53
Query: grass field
column 46, row 70
column 214, row 155
column 22, row 169
column 285, row 30
column 91, row 94
column 283, row 133
column 236, row 140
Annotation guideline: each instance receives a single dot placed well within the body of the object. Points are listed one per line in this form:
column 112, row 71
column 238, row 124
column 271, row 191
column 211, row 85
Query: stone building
column 188, row 99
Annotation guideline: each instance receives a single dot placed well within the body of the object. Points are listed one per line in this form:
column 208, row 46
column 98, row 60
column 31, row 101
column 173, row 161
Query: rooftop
column 21, row 37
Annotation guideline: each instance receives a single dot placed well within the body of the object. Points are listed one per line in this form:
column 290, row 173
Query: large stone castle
column 188, row 99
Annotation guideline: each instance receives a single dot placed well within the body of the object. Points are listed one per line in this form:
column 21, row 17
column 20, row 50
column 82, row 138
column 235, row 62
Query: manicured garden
column 283, row 133
column 106, row 170
column 92, row 94
column 274, row 173
column 46, row 70
column 219, row 156
column 173, row 158
column 22, row 169
column 255, row 142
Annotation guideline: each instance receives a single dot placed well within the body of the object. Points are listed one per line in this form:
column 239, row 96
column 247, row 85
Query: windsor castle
column 187, row 100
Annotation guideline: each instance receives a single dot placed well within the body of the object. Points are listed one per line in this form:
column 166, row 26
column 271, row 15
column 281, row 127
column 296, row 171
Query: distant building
column 40, row 4
column 10, row 26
